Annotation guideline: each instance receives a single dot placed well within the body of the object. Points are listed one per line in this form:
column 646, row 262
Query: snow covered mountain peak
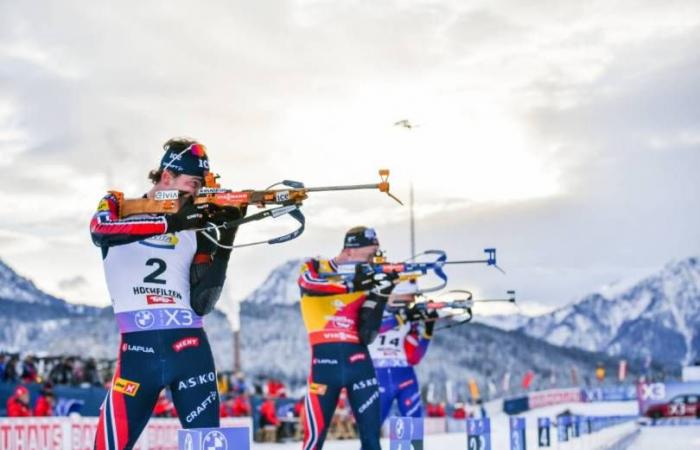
column 18, row 288
column 280, row 286
column 657, row 317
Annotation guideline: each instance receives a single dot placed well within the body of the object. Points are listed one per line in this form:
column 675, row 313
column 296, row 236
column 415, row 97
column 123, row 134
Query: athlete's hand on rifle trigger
column 415, row 314
column 226, row 214
column 189, row 216
column 387, row 282
column 432, row 315
column 364, row 277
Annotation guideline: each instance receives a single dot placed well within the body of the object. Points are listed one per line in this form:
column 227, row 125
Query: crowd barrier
column 557, row 432
column 566, row 431
column 672, row 422
column 431, row 425
column 78, row 433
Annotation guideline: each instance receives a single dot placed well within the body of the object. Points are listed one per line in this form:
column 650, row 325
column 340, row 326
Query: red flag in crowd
column 527, row 379
column 622, row 370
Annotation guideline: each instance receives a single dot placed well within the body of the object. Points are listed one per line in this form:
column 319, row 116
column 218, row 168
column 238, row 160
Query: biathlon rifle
column 458, row 308
column 212, row 197
column 411, row 269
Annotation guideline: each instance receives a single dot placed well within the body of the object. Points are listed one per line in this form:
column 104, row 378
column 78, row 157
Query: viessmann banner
column 659, row 395
column 553, row 397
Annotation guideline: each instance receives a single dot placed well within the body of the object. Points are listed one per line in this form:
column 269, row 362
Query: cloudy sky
column 566, row 134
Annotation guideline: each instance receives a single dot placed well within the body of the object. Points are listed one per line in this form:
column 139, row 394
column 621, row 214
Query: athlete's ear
column 167, row 178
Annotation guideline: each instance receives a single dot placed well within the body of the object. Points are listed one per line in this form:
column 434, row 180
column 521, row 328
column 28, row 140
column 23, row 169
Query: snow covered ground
column 669, row 438
column 500, row 428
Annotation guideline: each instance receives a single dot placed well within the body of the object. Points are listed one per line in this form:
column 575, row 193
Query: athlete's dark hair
column 155, row 175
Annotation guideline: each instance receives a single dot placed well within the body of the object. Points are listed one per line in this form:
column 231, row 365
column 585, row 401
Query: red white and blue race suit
column 331, row 311
column 399, row 346
column 152, row 276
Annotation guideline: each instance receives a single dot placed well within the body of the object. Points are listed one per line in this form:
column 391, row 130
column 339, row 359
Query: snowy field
column 668, row 438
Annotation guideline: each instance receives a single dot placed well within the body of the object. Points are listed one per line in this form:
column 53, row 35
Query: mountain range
column 32, row 321
column 657, row 318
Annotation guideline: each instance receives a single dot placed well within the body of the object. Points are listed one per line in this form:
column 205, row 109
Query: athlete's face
column 188, row 184
column 365, row 254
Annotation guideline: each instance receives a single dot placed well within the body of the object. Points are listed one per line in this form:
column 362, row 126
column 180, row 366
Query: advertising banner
column 553, row 397
column 675, row 399
column 610, row 394
column 68, row 433
column 406, row 433
column 223, row 438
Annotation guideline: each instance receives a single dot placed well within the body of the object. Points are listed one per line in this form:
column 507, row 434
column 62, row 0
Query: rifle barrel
column 468, row 261
column 350, row 187
column 495, row 300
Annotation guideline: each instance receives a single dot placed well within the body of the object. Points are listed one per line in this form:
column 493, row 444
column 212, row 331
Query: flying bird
column 405, row 123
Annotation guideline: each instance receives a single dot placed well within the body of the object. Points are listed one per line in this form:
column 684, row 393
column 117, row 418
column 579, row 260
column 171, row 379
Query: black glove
column 416, row 313
column 432, row 316
column 387, row 283
column 364, row 277
column 226, row 214
column 187, row 217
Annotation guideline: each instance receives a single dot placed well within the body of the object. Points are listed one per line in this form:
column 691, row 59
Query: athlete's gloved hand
column 416, row 313
column 387, row 283
column 364, row 277
column 431, row 318
column 227, row 214
column 187, row 217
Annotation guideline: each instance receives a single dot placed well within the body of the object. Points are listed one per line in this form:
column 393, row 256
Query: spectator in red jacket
column 268, row 413
column 275, row 388
column 164, row 407
column 18, row 404
column 226, row 406
column 299, row 407
column 436, row 410
column 459, row 411
column 45, row 402
column 238, row 406
column 241, row 406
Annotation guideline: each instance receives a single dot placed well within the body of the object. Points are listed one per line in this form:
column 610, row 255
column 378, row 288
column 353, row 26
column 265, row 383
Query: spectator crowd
column 64, row 370
column 277, row 416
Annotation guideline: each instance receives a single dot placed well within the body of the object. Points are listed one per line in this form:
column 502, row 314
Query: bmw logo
column 214, row 440
column 144, row 319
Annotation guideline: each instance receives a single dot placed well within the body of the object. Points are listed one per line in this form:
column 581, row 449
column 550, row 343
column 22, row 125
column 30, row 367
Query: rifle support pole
column 413, row 224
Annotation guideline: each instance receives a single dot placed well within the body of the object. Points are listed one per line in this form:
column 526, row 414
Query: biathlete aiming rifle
column 410, row 270
column 212, row 197
column 460, row 308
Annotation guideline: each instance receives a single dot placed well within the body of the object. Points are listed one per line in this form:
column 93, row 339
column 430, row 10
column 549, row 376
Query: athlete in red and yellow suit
column 331, row 310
